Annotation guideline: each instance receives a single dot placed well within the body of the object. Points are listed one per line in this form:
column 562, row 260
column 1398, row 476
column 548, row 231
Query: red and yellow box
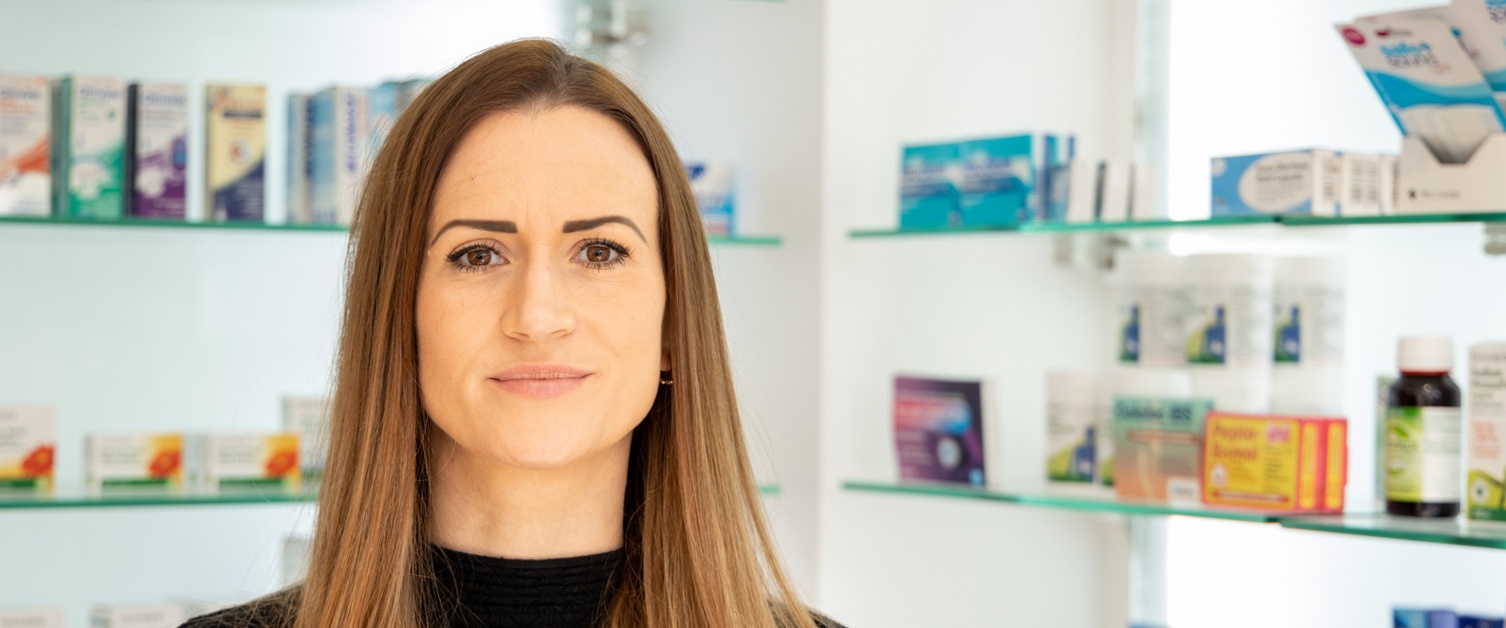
column 1277, row 463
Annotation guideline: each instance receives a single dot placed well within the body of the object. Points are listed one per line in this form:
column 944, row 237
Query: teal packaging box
column 996, row 179
column 927, row 194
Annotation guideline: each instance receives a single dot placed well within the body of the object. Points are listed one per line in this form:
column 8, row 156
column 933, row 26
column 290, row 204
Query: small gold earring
column 664, row 379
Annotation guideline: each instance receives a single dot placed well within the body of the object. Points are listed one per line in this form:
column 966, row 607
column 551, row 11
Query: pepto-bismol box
column 25, row 145
column 236, row 134
column 88, row 147
column 157, row 150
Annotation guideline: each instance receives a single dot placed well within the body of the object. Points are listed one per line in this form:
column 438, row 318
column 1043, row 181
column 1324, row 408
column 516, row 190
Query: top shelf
column 1229, row 221
column 47, row 221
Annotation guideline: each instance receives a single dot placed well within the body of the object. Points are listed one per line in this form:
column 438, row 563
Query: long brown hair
column 697, row 551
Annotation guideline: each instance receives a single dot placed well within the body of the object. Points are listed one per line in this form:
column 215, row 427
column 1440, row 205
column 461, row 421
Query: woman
column 534, row 421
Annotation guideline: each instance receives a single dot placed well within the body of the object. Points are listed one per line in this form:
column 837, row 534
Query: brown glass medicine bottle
column 1423, row 432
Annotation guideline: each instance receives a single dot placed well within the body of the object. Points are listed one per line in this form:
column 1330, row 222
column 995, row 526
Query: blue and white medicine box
column 995, row 180
column 927, row 191
column 1295, row 182
column 713, row 187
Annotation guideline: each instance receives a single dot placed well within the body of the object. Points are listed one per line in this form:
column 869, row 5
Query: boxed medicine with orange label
column 1287, row 464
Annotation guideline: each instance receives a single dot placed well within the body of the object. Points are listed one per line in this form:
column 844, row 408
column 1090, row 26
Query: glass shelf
column 1229, row 221
column 1063, row 500
column 746, row 240
column 1457, row 531
column 77, row 498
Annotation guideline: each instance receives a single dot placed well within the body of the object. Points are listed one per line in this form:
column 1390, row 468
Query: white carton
column 1114, row 191
column 164, row 615
column 1426, row 185
column 25, row 145
column 251, row 462
column 31, row 618
column 308, row 417
column 133, row 462
column 1302, row 182
column 1364, row 184
column 1487, row 432
column 1082, row 191
column 1143, row 200
column 28, row 446
column 299, row 210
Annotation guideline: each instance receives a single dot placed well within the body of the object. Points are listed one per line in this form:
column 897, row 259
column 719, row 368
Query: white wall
column 739, row 82
column 974, row 306
column 172, row 329
column 1252, row 77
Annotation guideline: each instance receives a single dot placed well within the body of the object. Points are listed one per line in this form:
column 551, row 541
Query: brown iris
column 478, row 257
column 598, row 254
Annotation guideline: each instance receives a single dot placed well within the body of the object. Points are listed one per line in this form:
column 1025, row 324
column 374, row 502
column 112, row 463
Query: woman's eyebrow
column 499, row 226
column 571, row 226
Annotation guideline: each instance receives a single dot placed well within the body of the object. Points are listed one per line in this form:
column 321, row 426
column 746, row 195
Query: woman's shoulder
column 273, row 611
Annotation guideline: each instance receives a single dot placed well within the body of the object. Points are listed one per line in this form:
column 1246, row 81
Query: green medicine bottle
column 1424, row 432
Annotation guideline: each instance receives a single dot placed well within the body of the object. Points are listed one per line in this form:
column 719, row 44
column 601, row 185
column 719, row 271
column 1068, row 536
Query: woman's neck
column 479, row 506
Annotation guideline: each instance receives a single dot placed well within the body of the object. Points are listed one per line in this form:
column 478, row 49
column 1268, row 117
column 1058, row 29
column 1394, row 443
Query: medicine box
column 28, row 448
column 88, row 147
column 235, row 159
column 164, row 615
column 337, row 141
column 250, row 462
column 1158, row 446
column 31, row 618
column 1486, row 436
column 996, row 180
column 134, row 463
column 309, row 418
column 299, row 211
column 157, row 150
column 1294, row 182
column 1285, row 464
column 928, row 191
column 25, row 145
column 714, row 188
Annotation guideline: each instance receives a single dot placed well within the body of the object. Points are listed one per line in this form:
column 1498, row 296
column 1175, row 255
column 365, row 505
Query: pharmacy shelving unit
column 75, row 498
column 140, row 223
column 1233, row 221
column 1141, row 519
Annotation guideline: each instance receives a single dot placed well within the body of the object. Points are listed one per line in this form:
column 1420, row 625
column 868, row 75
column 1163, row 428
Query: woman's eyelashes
column 596, row 254
column 601, row 254
column 475, row 257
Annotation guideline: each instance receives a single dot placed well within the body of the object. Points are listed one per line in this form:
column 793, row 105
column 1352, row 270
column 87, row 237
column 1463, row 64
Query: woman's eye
column 476, row 257
column 602, row 254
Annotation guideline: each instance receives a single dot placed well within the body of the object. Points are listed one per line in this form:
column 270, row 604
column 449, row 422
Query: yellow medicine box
column 1286, row 464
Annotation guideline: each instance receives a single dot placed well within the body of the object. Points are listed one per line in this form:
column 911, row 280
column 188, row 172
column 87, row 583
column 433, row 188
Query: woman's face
column 541, row 297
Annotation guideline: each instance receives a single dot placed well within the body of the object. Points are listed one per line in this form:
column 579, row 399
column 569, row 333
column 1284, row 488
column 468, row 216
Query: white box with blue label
column 1293, row 182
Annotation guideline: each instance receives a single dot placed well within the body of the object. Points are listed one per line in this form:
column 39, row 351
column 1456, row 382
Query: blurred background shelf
column 77, row 498
column 1445, row 531
column 1069, row 501
column 1230, row 221
column 40, row 221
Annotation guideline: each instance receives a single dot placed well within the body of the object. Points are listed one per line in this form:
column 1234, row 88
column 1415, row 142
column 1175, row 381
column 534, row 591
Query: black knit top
column 512, row 593
column 488, row 593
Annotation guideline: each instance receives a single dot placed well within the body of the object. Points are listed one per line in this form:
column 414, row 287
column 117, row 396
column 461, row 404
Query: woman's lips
column 540, row 381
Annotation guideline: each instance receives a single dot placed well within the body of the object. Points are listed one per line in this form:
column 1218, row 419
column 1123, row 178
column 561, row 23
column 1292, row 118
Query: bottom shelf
column 1453, row 531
